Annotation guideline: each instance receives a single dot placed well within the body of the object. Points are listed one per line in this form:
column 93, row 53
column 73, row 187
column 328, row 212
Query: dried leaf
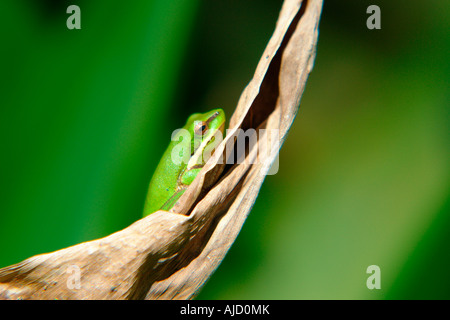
column 170, row 255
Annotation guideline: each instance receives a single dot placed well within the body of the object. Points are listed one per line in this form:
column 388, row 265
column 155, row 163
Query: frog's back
column 163, row 184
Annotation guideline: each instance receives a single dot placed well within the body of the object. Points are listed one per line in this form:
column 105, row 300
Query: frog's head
column 204, row 128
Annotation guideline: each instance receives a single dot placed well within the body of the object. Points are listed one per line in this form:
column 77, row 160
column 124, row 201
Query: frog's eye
column 200, row 128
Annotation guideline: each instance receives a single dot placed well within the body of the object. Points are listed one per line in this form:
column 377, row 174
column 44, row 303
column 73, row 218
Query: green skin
column 173, row 175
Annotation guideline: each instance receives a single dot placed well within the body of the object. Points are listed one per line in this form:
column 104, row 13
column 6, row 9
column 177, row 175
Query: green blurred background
column 364, row 174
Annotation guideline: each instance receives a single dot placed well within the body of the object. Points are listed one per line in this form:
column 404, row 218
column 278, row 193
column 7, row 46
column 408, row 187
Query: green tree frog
column 184, row 158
